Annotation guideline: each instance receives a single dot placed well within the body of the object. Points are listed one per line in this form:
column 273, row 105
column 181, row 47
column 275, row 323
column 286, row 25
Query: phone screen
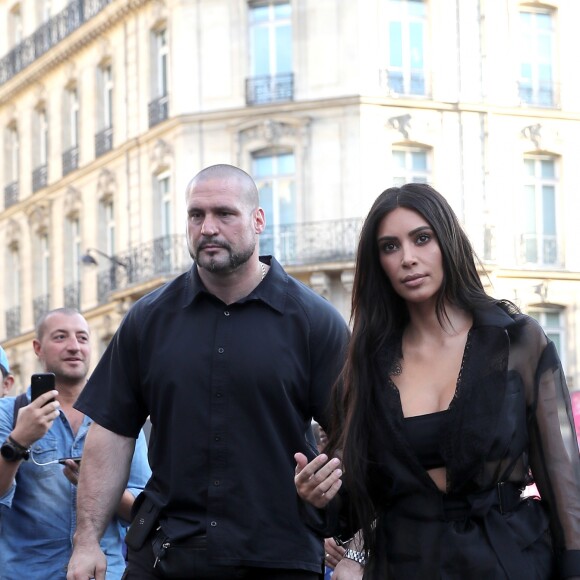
column 41, row 383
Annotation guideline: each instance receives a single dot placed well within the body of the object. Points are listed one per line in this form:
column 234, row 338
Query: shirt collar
column 492, row 315
column 273, row 289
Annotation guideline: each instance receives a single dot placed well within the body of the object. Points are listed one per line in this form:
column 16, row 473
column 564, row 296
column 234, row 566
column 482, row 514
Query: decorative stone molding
column 72, row 203
column 321, row 284
column 402, row 124
column 13, row 235
column 533, row 133
column 106, row 186
column 39, row 219
column 161, row 156
column 347, row 280
column 159, row 15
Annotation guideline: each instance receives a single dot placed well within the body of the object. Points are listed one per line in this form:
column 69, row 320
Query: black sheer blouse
column 510, row 423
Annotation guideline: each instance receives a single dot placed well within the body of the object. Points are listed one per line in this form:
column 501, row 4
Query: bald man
column 231, row 361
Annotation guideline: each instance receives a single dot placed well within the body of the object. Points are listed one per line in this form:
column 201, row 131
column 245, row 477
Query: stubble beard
column 223, row 266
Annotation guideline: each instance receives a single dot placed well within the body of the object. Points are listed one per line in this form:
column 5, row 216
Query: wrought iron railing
column 270, row 89
column 542, row 94
column 103, row 141
column 293, row 245
column 413, row 83
column 158, row 110
column 48, row 35
column 72, row 295
column 39, row 177
column 12, row 320
column 40, row 306
column 539, row 250
column 11, row 194
column 70, row 160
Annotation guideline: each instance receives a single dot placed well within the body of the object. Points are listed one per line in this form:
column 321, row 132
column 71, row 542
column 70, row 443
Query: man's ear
column 7, row 385
column 259, row 221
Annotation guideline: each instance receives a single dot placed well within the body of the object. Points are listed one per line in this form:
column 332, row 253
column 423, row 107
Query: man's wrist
column 358, row 557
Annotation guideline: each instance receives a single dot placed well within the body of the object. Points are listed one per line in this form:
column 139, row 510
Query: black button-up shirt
column 231, row 391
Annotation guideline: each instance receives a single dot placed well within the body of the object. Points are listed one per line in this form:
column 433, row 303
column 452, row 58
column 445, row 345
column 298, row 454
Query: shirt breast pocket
column 44, row 457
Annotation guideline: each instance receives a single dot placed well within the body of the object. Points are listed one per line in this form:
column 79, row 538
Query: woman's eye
column 423, row 238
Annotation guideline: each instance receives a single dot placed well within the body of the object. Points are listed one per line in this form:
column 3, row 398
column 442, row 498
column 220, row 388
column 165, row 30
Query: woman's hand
column 317, row 482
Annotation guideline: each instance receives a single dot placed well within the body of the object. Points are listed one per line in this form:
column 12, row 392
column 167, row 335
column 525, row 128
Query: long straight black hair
column 378, row 316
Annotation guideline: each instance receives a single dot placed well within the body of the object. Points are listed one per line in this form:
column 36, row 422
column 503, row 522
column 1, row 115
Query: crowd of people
column 283, row 445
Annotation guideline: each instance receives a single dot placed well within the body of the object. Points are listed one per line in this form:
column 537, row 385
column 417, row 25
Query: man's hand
column 34, row 420
column 348, row 570
column 333, row 553
column 87, row 561
column 317, row 482
column 71, row 471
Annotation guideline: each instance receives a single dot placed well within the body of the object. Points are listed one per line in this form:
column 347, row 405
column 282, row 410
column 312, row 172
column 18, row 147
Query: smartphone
column 42, row 383
column 77, row 460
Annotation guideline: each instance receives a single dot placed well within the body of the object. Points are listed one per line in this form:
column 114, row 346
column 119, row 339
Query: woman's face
column 410, row 255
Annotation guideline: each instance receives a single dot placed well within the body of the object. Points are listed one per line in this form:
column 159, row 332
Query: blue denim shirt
column 38, row 513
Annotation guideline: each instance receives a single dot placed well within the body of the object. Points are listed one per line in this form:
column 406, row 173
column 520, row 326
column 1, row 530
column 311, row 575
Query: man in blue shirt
column 37, row 494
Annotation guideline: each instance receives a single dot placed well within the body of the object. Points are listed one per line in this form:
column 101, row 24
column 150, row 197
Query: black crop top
column 424, row 435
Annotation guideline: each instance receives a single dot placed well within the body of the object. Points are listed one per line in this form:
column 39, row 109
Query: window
column 70, row 156
column 539, row 244
column 275, row 178
column 551, row 320
column 42, row 277
column 104, row 138
column 40, row 145
column 270, row 53
column 72, row 257
column 163, row 223
column 406, row 70
column 158, row 107
column 12, row 290
column 410, row 165
column 12, row 166
column 107, row 227
column 15, row 27
column 536, row 84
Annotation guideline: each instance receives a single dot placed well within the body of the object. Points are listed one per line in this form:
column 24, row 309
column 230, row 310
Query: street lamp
column 89, row 260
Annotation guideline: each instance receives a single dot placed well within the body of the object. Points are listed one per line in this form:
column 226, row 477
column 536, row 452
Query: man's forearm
column 103, row 478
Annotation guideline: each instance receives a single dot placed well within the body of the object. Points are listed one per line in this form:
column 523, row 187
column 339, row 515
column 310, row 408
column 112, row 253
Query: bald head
column 244, row 183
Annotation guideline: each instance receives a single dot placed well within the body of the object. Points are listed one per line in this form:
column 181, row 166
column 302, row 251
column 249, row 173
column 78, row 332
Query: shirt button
column 227, row 312
column 218, row 395
column 216, row 482
column 220, row 350
column 217, row 438
column 213, row 524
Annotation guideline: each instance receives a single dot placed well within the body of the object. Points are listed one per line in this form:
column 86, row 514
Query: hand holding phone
column 41, row 383
column 63, row 460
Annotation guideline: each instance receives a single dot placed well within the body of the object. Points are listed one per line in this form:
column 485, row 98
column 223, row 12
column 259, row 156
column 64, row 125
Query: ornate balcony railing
column 40, row 306
column 39, row 177
column 72, row 295
column 158, row 110
column 270, row 89
column 70, row 160
column 11, row 194
column 542, row 94
column 539, row 250
column 103, row 141
column 12, row 320
column 293, row 245
column 413, row 83
column 48, row 35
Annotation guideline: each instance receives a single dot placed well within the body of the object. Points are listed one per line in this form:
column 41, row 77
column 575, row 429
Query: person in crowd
column 7, row 378
column 231, row 360
column 450, row 402
column 37, row 477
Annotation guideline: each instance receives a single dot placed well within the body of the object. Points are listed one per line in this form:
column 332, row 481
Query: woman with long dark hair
column 449, row 404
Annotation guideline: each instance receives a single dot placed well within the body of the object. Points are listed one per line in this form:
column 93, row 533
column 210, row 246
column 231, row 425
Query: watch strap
column 358, row 557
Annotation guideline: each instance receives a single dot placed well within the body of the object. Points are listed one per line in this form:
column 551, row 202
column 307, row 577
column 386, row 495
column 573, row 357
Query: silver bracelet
column 358, row 557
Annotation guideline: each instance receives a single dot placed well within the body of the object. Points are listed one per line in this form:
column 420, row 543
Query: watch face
column 10, row 453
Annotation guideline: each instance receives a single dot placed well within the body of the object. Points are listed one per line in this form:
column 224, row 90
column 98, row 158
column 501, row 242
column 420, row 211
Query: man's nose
column 209, row 227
